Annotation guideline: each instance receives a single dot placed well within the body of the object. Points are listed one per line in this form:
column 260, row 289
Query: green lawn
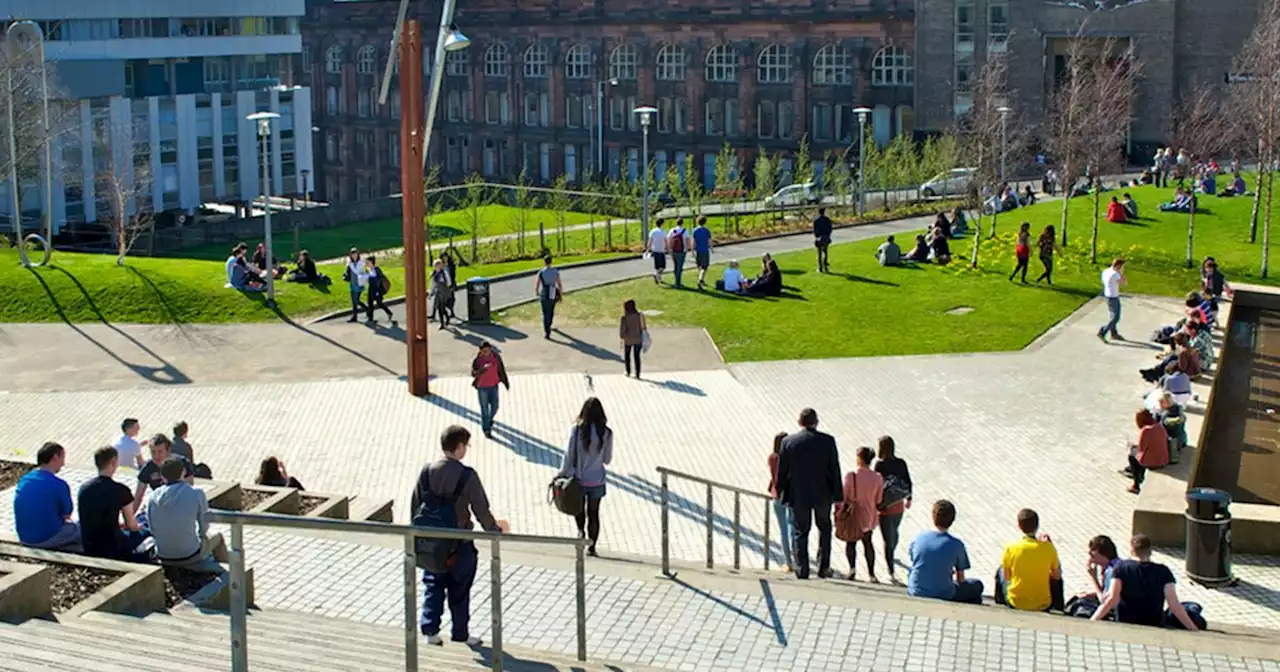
column 90, row 287
column 382, row 234
column 864, row 309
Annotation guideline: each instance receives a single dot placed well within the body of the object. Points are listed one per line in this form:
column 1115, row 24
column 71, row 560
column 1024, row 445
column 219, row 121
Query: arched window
column 623, row 62
column 722, row 64
column 832, row 65
column 457, row 63
column 774, row 65
column 333, row 60
column 892, row 67
column 536, row 59
column 496, row 60
column 366, row 59
column 672, row 60
column 577, row 63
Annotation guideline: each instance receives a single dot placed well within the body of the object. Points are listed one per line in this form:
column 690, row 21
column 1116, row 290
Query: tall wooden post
column 412, row 207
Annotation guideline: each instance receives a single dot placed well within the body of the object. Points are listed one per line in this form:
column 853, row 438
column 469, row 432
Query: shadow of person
column 676, row 386
column 589, row 349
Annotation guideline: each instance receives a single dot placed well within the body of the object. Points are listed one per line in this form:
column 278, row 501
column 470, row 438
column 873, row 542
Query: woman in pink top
column 864, row 488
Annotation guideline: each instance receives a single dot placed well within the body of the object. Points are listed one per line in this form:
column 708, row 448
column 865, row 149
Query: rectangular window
column 530, row 109
column 617, row 112
column 664, row 115
column 732, row 127
column 393, row 149
column 492, row 108
column 633, row 119
column 821, row 126
column 571, row 163
column 681, row 120
column 997, row 24
column 453, row 156
column 363, row 104
column 714, row 117
column 544, row 110
column 786, row 120
column 453, row 106
column 964, row 25
column 573, row 112
column 490, row 159
column 544, row 161
column 766, row 121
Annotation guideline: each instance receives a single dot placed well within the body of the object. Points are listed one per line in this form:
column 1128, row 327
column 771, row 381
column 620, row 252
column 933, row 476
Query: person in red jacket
column 1116, row 213
column 1151, row 451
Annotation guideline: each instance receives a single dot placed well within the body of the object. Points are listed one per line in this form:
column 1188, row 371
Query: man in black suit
column 809, row 481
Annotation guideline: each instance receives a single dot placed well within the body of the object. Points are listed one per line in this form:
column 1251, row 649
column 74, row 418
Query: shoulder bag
column 566, row 491
column 848, row 526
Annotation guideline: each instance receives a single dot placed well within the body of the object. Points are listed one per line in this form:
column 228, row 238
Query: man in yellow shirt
column 1030, row 577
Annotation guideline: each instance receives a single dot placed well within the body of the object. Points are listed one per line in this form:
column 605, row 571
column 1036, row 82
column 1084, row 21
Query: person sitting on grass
column 108, row 526
column 232, row 260
column 919, row 253
column 959, row 225
column 1181, row 202
column 1150, row 452
column 1140, row 589
column 939, row 248
column 1028, row 195
column 1130, row 206
column 260, row 262
column 178, row 518
column 889, row 254
column 941, row 223
column 1236, row 188
column 273, row 473
column 244, row 278
column 306, row 272
column 1029, row 576
column 732, row 281
column 769, row 282
column 1209, row 183
column 42, row 504
column 1116, row 213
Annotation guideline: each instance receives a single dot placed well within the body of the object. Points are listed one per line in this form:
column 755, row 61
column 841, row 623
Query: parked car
column 949, row 183
column 795, row 194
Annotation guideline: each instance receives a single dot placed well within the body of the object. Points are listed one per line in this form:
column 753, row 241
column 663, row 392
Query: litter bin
column 1209, row 536
column 478, row 300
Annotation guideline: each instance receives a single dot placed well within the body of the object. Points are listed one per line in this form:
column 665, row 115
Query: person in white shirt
column 732, row 281
column 1112, row 278
column 128, row 448
column 656, row 246
column 357, row 276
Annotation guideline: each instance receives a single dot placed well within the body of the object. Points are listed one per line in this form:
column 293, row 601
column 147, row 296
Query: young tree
column 694, row 192
column 1255, row 103
column 523, row 199
column 560, row 202
column 940, row 153
column 1068, row 127
column 474, row 200
column 20, row 69
column 127, row 191
column 764, row 173
column 837, row 178
column 430, row 182
column 1202, row 127
column 1111, row 73
column 726, row 177
column 983, row 135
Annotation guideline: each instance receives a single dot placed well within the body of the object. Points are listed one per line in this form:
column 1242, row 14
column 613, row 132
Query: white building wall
column 250, row 175
column 277, row 180
column 303, row 137
column 219, row 174
column 157, row 170
column 188, row 163
column 86, row 162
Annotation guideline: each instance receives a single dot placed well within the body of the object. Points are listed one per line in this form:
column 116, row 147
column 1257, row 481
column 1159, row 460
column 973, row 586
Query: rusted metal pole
column 412, row 205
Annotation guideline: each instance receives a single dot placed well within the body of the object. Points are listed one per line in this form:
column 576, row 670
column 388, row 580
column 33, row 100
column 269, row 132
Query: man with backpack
column 447, row 495
column 1140, row 589
column 677, row 244
column 379, row 285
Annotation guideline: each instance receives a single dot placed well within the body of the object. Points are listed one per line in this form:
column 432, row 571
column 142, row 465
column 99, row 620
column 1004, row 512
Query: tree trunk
column 1257, row 202
column 1066, row 202
column 1093, row 240
column 977, row 236
column 608, row 232
column 593, row 233
column 1191, row 234
column 1266, row 224
column 474, row 240
column 995, row 215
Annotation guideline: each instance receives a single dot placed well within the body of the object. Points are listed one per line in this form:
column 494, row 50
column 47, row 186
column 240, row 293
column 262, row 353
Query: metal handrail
column 239, row 594
column 711, row 486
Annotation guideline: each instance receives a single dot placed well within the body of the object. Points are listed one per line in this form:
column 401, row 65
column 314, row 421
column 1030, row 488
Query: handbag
column 847, row 525
column 566, row 491
column 895, row 492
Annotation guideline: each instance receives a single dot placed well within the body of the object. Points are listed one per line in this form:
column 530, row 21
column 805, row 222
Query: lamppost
column 263, row 120
column 646, row 115
column 21, row 37
column 599, row 135
column 1004, row 111
column 862, row 113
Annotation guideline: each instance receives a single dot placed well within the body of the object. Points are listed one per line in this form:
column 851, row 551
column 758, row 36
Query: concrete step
column 345, row 641
column 31, row 650
column 93, row 636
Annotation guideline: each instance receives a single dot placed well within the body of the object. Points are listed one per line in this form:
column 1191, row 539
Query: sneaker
column 435, row 640
column 470, row 641
column 825, row 573
column 1134, row 489
column 1102, row 337
column 1117, row 337
column 353, row 319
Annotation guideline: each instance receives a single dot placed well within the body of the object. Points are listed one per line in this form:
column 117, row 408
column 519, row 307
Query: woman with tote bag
column 634, row 334
column 590, row 450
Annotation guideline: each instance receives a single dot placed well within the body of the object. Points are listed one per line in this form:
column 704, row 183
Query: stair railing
column 239, row 594
column 712, row 486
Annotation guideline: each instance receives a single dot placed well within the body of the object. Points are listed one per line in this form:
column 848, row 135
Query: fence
column 239, row 596
column 712, row 486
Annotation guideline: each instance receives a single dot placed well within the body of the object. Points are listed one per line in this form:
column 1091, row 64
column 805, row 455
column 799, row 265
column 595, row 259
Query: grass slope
column 864, row 309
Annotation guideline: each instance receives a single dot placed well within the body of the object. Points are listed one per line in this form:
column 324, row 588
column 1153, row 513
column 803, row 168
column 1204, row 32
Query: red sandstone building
column 753, row 73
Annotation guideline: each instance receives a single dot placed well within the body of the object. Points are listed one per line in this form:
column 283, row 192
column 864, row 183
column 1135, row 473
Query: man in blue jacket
column 42, row 504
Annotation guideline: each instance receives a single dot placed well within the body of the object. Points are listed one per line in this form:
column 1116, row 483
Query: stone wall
column 231, row 230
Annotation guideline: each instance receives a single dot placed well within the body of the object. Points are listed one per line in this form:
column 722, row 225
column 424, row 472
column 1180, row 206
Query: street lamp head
column 1004, row 110
column 646, row 113
column 263, row 120
column 613, row 81
column 22, row 36
column 862, row 113
column 455, row 40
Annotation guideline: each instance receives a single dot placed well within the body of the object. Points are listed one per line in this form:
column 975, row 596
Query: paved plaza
column 1044, row 428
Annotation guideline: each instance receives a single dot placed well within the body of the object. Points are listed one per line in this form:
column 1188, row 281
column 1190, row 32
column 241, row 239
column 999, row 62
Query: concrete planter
column 139, row 590
column 24, row 592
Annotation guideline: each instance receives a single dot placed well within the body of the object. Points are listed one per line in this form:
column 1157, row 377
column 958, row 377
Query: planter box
column 24, row 592
column 377, row 511
column 138, row 590
column 330, row 506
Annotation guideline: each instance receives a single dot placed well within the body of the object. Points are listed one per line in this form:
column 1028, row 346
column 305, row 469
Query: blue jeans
column 455, row 586
column 1113, row 307
column 677, row 261
column 488, row 406
column 969, row 590
column 783, row 513
column 548, row 315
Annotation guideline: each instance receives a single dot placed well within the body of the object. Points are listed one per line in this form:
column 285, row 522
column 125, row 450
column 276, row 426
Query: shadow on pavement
column 586, row 348
column 354, row 353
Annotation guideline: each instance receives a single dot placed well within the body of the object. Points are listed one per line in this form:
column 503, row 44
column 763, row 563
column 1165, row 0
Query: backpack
column 437, row 555
column 566, row 491
column 1194, row 611
column 895, row 492
column 384, row 283
column 676, row 241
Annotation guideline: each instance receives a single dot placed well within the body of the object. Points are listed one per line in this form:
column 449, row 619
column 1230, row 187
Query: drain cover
column 960, row 310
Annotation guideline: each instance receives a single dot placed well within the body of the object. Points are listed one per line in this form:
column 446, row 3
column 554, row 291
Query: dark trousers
column 868, row 550
column 1023, row 263
column 548, row 315
column 453, row 586
column 677, row 260
column 968, row 591
column 628, row 353
column 589, row 519
column 356, row 303
column 1047, row 276
column 375, row 301
column 1139, row 472
column 1057, row 596
column 889, row 534
column 805, row 515
column 822, row 256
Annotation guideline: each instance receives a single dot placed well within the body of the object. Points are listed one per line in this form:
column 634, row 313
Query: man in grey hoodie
column 178, row 515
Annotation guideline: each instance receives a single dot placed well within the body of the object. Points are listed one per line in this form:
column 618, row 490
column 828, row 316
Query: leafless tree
column 1110, row 71
column 125, row 182
column 1067, row 127
column 988, row 134
column 1202, row 127
column 1255, row 103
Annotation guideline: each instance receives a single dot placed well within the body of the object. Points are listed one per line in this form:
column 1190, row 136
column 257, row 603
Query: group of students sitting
column 164, row 518
column 1121, row 210
column 1007, row 198
column 768, row 283
column 251, row 276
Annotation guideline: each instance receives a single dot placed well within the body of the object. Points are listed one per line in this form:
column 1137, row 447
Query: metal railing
column 712, row 486
column 239, row 593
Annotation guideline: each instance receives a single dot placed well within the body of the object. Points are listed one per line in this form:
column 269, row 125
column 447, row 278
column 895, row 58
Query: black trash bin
column 1209, row 536
column 478, row 300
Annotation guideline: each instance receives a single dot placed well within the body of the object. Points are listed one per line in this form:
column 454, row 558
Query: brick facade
column 500, row 147
column 1179, row 42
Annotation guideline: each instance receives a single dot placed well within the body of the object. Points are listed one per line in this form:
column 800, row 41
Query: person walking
column 440, row 293
column 863, row 489
column 1112, row 278
column 487, row 372
column 780, row 511
column 1048, row 244
column 822, row 239
column 590, row 450
column 656, row 246
column 897, row 478
column 357, row 277
column 1022, row 251
column 451, row 269
column 809, row 482
column 677, row 244
column 448, row 482
column 632, row 330
column 546, row 285
column 378, row 286
column 702, row 250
